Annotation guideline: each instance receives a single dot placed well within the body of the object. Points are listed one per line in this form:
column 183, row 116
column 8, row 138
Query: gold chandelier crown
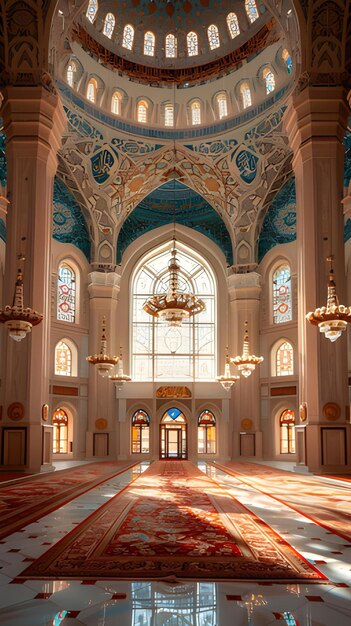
column 104, row 361
column 18, row 319
column 247, row 362
column 227, row 381
column 332, row 319
column 175, row 305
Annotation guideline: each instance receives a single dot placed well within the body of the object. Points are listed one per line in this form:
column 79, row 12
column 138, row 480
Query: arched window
column 213, row 37
column 169, row 114
column 222, row 108
column 245, row 92
column 142, row 111
column 284, row 359
column 162, row 352
column 233, row 25
column 140, row 432
column 195, row 112
column 92, row 10
column 109, row 25
column 60, row 432
column 63, row 359
column 206, row 433
column 66, row 294
column 92, row 90
column 128, row 37
column 287, row 432
column 282, row 300
column 171, row 46
column 149, row 44
column 251, row 10
column 192, row 44
column 116, row 103
column 287, row 60
column 269, row 80
column 71, row 68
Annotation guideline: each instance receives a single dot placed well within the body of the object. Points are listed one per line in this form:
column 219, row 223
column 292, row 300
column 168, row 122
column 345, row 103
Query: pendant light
column 247, row 362
column 103, row 361
column 227, row 381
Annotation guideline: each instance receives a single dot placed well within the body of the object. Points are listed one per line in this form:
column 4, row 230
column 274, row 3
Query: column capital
column 104, row 285
column 244, row 286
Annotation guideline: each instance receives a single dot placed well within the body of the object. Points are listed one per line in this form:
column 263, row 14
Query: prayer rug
column 25, row 501
column 324, row 504
column 173, row 522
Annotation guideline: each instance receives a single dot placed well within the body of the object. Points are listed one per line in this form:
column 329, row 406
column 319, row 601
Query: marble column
column 103, row 291
column 244, row 300
column 316, row 122
column 34, row 121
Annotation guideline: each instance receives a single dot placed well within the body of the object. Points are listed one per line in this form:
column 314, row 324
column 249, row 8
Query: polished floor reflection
column 170, row 603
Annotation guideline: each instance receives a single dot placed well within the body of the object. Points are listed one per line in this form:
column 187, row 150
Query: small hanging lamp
column 103, row 361
column 333, row 318
column 120, row 378
column 247, row 362
column 227, row 381
column 18, row 319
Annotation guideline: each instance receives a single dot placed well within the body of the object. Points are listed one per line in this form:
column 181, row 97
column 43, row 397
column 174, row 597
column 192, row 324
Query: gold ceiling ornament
column 120, row 377
column 247, row 362
column 227, row 381
column 332, row 319
column 104, row 361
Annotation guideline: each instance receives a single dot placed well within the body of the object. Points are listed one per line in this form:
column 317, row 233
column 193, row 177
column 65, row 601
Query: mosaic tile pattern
column 69, row 225
column 279, row 225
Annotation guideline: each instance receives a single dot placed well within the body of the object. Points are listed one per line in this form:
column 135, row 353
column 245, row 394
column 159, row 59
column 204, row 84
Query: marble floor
column 118, row 603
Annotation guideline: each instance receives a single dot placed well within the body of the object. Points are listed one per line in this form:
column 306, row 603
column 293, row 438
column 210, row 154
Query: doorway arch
column 173, row 434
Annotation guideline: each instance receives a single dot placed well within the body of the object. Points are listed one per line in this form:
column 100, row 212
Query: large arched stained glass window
column 282, row 300
column 149, row 43
column 233, row 25
column 251, row 10
column 60, row 432
column 287, row 432
column 284, row 359
column 206, row 433
column 63, row 359
column 66, row 294
column 109, row 25
column 162, row 352
column 140, row 432
column 128, row 37
column 213, row 37
column 171, row 46
column 92, row 10
column 192, row 44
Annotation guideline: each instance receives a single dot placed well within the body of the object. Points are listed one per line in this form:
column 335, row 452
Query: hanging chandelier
column 247, row 362
column 103, row 361
column 227, row 381
column 175, row 305
column 333, row 318
column 18, row 319
column 120, row 378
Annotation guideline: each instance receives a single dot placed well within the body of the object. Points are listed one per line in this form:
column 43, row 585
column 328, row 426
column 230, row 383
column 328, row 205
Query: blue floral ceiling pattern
column 190, row 210
column 2, row 230
column 69, row 225
column 279, row 225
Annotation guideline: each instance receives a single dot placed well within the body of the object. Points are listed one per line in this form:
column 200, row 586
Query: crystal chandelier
column 104, row 361
column 333, row 318
column 246, row 362
column 19, row 319
column 227, row 381
column 120, row 378
column 175, row 305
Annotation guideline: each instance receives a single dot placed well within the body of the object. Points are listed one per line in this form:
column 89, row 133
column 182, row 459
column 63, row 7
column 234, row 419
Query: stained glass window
column 206, row 433
column 171, row 46
column 213, row 37
column 169, row 115
column 60, row 432
column 63, row 360
column 142, row 112
column 66, row 294
column 222, row 107
column 71, row 68
column 245, row 95
column 140, row 432
column 196, row 113
column 287, row 432
column 116, row 103
column 162, row 352
column 288, row 60
column 149, row 43
column 109, row 25
column 269, row 79
column 233, row 25
column 92, row 10
column 91, row 90
column 192, row 44
column 284, row 360
column 251, row 10
column 128, row 37
column 282, row 300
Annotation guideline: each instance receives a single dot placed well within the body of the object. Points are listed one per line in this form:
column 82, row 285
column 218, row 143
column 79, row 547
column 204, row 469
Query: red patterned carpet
column 325, row 504
column 173, row 521
column 27, row 500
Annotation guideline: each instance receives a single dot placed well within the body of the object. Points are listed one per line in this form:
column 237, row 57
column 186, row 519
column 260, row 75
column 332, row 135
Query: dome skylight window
column 71, row 68
column 251, row 10
column 222, row 107
column 171, row 46
column 116, row 103
column 233, row 25
column 287, row 60
column 192, row 44
column 142, row 112
column 149, row 44
column 128, row 37
column 213, row 37
column 92, row 10
column 245, row 95
column 91, row 90
column 196, row 113
column 269, row 80
column 109, row 25
column 169, row 115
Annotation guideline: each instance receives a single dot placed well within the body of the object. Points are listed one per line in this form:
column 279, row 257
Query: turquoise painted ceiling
column 175, row 200
column 279, row 225
column 69, row 225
